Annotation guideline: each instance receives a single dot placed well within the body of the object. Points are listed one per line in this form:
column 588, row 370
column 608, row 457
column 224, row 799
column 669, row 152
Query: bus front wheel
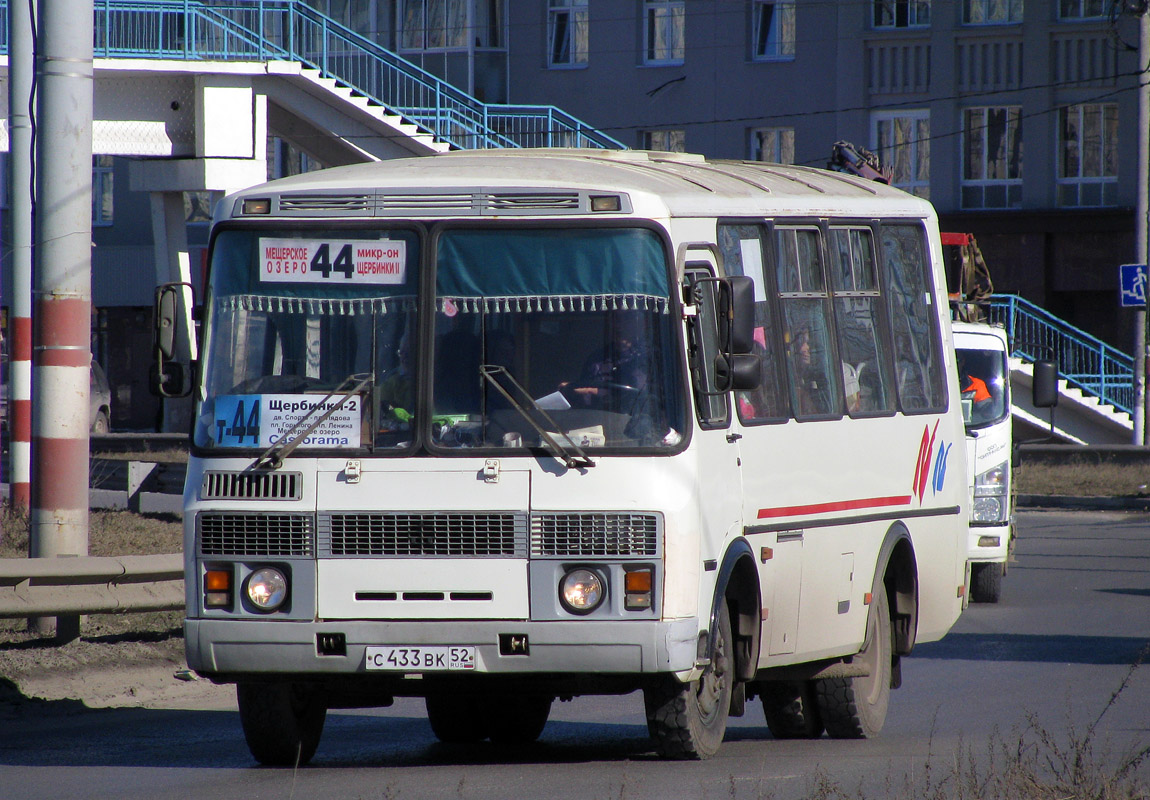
column 282, row 722
column 689, row 720
column 986, row 582
column 791, row 709
column 855, row 708
column 457, row 718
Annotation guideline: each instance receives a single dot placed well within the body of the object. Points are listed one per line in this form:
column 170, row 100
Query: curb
column 1077, row 503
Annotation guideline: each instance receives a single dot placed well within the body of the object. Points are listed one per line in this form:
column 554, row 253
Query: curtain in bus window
column 914, row 321
column 865, row 359
column 559, row 270
column 742, row 250
column 814, row 377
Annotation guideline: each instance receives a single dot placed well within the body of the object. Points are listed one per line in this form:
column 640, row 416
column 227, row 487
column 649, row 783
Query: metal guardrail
column 1084, row 361
column 31, row 587
column 263, row 30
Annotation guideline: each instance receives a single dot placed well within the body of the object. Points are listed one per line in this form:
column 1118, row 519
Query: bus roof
column 549, row 181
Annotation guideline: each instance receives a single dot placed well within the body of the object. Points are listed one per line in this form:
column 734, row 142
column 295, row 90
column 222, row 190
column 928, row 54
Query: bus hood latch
column 491, row 470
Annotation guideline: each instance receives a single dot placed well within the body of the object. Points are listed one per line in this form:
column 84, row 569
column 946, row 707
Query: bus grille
column 428, row 534
column 252, row 486
column 255, row 534
column 595, row 534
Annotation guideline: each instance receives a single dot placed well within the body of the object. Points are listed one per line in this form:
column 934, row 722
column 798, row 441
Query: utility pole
column 1142, row 213
column 20, row 25
column 61, row 356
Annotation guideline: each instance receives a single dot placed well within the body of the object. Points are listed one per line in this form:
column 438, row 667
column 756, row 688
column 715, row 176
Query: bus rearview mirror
column 737, row 314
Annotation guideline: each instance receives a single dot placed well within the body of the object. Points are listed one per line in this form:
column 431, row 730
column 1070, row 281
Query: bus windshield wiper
column 572, row 455
column 273, row 457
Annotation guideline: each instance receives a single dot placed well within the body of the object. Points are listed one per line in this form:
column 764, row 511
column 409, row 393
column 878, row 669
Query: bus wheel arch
column 737, row 584
column 897, row 575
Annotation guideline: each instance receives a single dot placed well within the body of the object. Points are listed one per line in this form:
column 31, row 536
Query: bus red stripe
column 841, row 505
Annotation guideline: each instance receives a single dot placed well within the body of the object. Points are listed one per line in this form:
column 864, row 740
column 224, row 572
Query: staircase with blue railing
column 1085, row 362
column 289, row 30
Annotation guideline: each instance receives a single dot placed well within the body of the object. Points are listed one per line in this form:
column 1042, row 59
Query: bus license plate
column 416, row 658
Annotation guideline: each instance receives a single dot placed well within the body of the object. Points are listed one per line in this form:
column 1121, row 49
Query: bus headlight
column 267, row 589
column 581, row 591
column 991, row 491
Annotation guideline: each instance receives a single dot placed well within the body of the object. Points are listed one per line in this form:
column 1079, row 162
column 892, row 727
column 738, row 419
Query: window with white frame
column 433, row 24
column 902, row 141
column 664, row 22
column 567, row 32
column 991, row 12
column 992, row 157
column 773, row 144
column 672, row 141
column 1088, row 155
column 102, row 190
column 1082, row 9
column 901, row 13
column 772, row 29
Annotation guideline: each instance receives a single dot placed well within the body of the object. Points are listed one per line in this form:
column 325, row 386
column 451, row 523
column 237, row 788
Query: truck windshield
column 291, row 315
column 983, row 381
column 574, row 324
column 579, row 321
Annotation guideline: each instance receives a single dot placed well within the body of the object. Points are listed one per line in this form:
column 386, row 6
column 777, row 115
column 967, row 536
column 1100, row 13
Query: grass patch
column 110, row 533
column 1082, row 477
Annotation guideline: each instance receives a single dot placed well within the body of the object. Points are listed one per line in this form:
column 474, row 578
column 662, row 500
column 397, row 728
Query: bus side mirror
column 167, row 376
column 1044, row 388
column 736, row 314
column 738, row 372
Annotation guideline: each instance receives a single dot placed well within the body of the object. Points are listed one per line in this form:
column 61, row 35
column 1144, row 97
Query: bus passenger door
column 716, row 445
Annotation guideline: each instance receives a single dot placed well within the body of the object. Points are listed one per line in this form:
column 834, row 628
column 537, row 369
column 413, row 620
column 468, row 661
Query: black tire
column 518, row 719
column 855, row 708
column 791, row 709
column 985, row 582
column 689, row 720
column 458, row 718
column 282, row 722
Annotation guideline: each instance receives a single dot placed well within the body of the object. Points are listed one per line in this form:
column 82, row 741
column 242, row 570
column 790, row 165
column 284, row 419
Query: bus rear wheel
column 689, row 720
column 518, row 719
column 457, row 718
column 282, row 722
column 791, row 709
column 986, row 582
column 855, row 708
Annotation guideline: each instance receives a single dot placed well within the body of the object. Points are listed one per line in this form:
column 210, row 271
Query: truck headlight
column 267, row 588
column 581, row 591
column 991, row 494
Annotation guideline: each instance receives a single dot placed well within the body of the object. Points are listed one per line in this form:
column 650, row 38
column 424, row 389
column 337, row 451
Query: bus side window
column 867, row 385
column 814, row 374
column 743, row 254
column 710, row 404
column 919, row 370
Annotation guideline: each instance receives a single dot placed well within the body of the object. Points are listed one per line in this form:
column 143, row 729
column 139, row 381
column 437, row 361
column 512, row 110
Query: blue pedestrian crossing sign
column 1133, row 278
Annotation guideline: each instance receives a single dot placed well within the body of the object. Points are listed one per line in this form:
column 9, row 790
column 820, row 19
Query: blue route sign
column 1133, row 279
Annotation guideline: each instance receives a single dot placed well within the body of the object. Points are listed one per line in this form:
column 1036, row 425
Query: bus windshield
column 533, row 332
column 564, row 331
column 983, row 381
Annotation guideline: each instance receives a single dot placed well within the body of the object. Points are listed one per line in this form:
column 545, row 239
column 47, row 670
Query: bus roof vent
column 326, row 203
column 504, row 202
column 388, row 204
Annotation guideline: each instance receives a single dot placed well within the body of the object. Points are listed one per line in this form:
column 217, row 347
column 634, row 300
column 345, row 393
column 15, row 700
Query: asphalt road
column 1050, row 656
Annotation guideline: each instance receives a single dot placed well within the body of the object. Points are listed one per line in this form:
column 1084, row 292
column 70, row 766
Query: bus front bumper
column 282, row 648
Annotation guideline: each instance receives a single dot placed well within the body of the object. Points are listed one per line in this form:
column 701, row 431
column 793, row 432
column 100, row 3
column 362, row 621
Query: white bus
column 495, row 428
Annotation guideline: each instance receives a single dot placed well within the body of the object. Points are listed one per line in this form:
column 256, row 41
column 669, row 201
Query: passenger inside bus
column 810, row 390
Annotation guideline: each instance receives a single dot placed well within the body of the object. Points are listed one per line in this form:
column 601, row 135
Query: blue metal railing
column 1084, row 361
column 289, row 30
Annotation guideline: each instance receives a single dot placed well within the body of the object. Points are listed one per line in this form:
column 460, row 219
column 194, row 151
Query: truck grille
column 254, row 534
column 427, row 534
column 595, row 534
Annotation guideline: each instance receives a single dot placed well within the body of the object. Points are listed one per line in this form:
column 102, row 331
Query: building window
column 663, row 26
column 773, row 29
column 992, row 157
column 671, row 141
column 902, row 142
column 773, row 144
column 991, row 12
column 1088, row 155
column 901, row 13
column 433, row 24
column 566, row 33
column 1082, row 9
column 102, row 190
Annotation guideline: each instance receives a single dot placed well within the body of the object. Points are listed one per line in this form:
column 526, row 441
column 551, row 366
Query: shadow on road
column 1059, row 649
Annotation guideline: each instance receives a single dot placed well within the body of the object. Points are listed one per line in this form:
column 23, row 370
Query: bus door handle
column 734, row 437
